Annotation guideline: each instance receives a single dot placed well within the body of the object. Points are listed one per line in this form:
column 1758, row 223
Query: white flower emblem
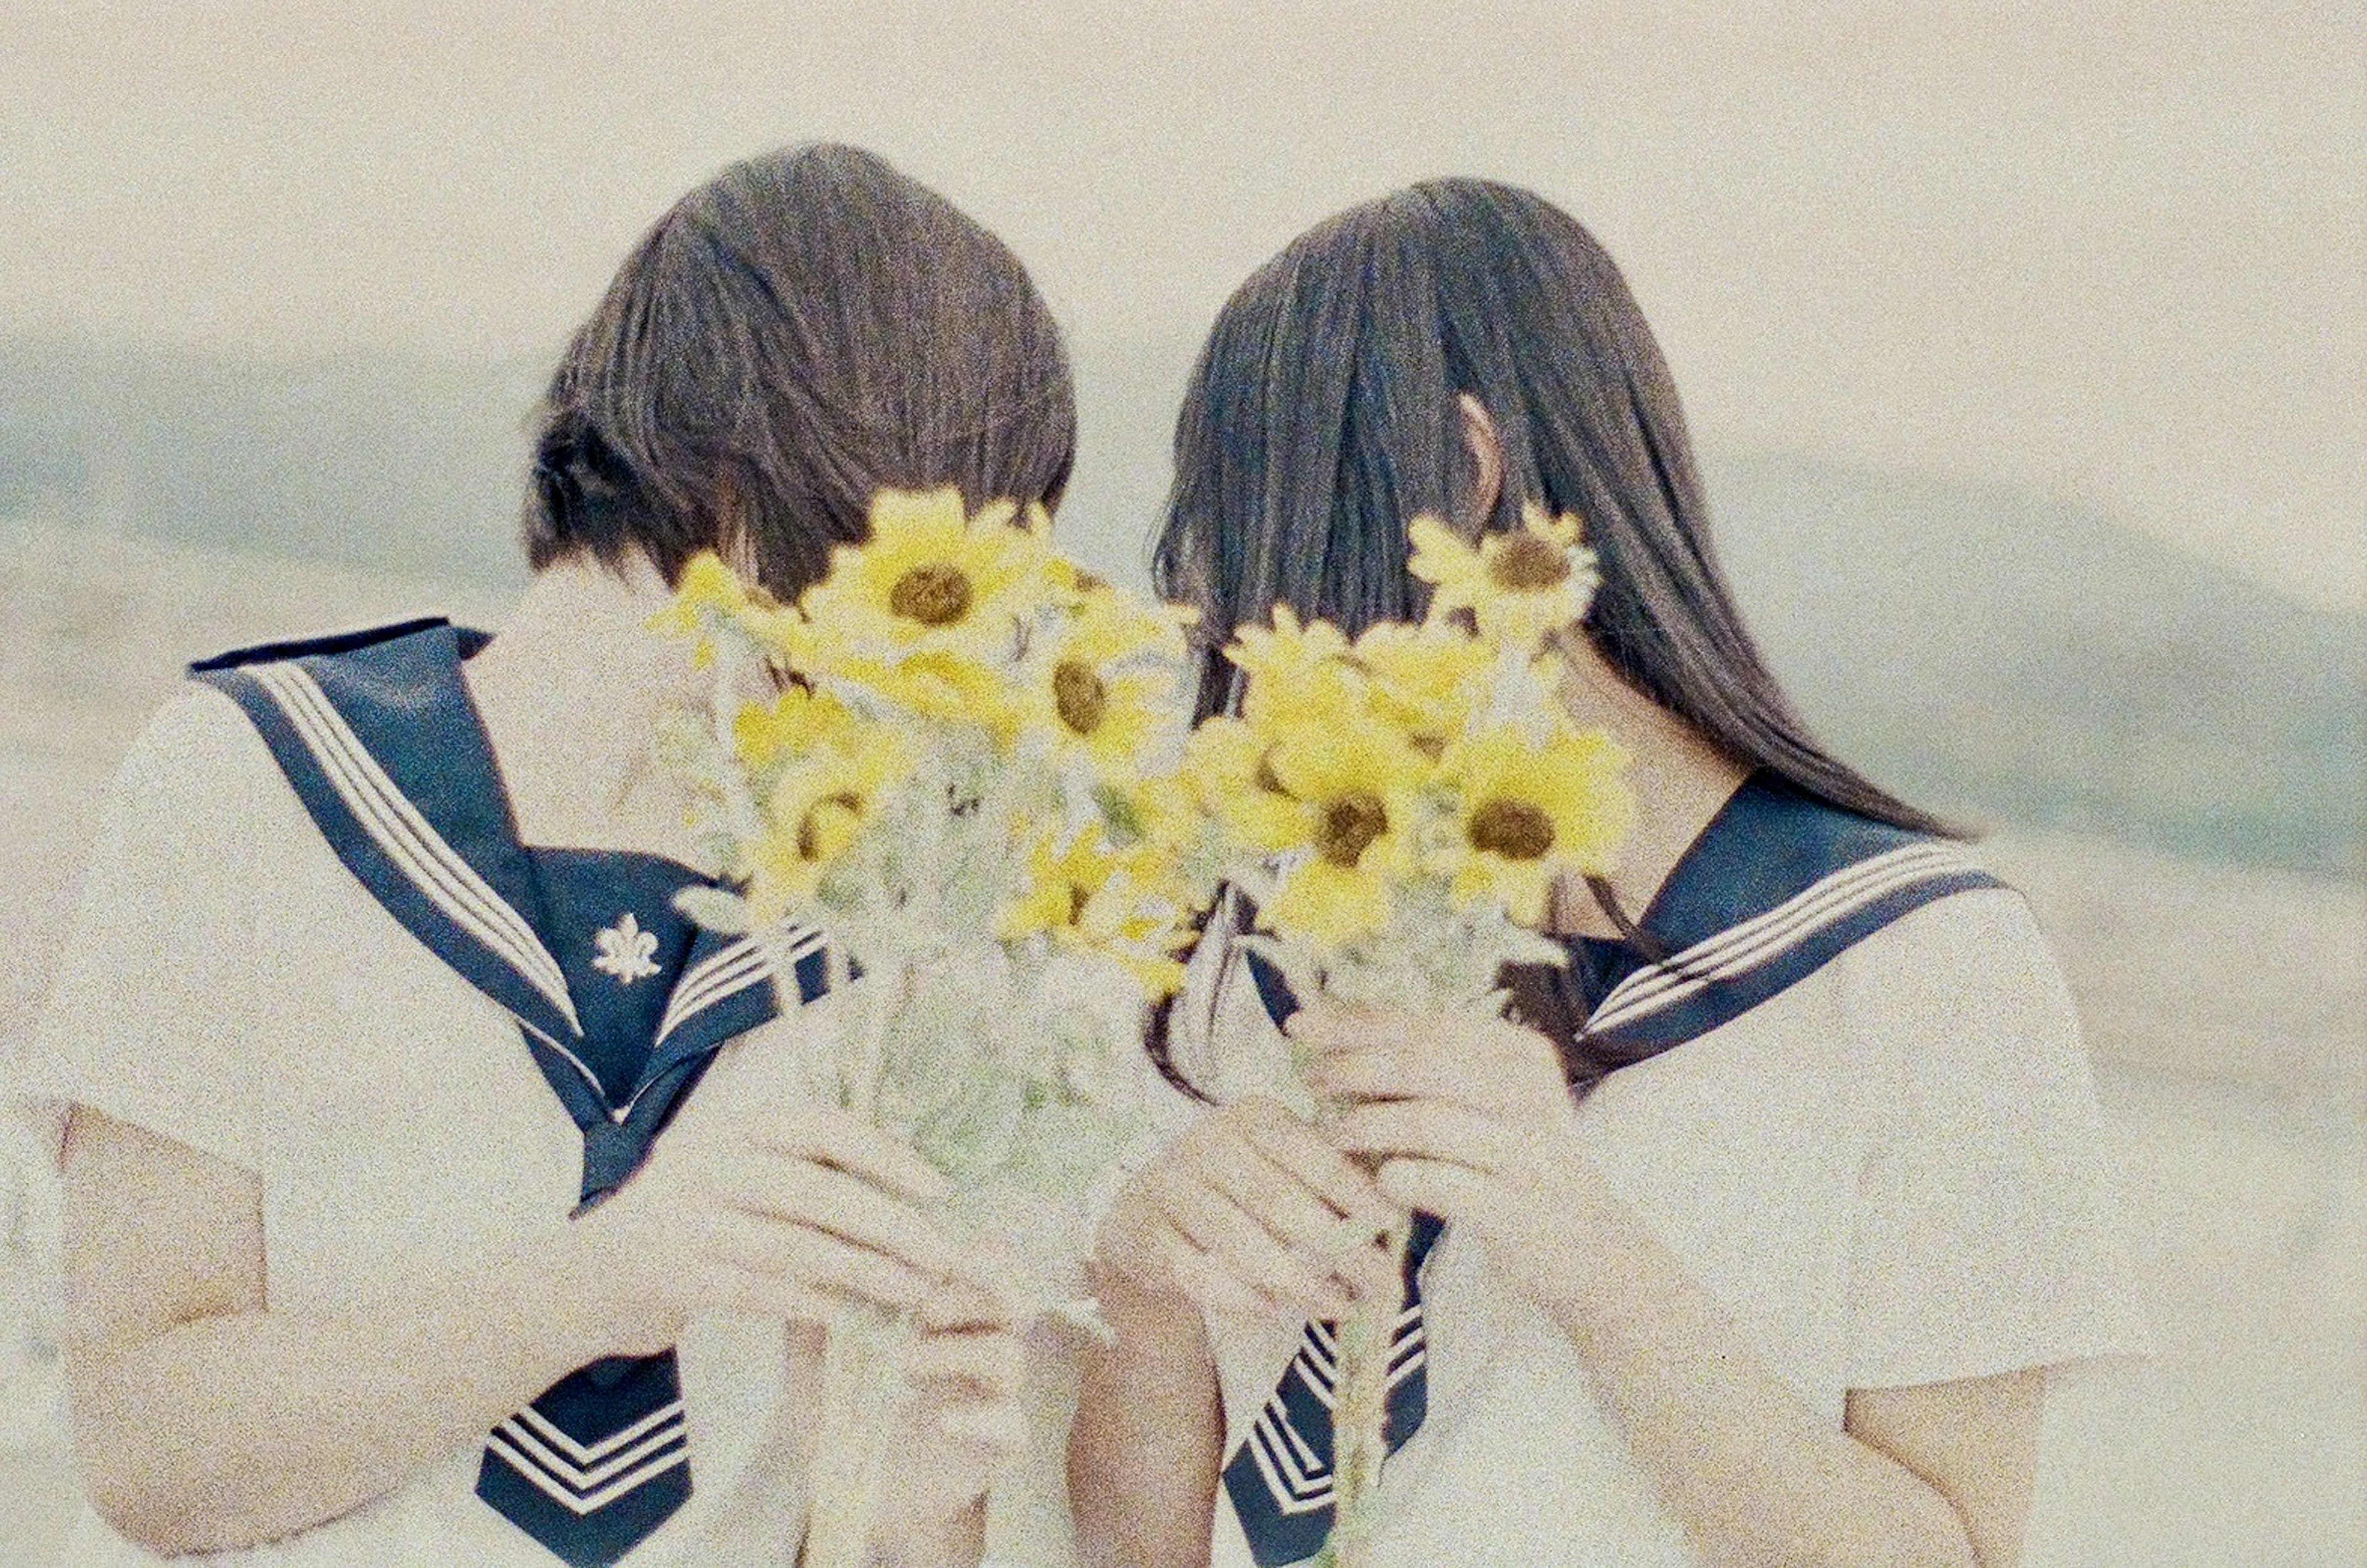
column 625, row 950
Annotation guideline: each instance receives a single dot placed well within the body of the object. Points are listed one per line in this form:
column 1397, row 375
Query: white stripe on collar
column 616, row 1113
column 640, row 1440
column 407, row 839
column 669, row 1448
column 578, row 1453
column 1298, row 1482
column 726, row 972
column 1662, row 985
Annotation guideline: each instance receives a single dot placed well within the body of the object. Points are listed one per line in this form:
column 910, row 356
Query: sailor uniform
column 1851, row 1101
column 311, row 946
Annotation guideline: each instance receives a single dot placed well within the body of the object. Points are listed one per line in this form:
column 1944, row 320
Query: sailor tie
column 596, row 1463
column 1280, row 1477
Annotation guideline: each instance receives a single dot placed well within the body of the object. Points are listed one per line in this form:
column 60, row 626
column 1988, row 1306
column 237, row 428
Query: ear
column 1487, row 449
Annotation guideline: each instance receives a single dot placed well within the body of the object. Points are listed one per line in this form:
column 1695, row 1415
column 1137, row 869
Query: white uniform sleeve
column 150, row 1016
column 1987, row 1233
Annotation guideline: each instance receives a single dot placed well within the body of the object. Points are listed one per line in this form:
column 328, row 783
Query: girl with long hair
column 435, row 1193
column 1748, row 1237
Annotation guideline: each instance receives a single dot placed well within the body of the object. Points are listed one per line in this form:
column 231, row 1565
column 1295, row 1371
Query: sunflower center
column 1527, row 564
column 811, row 826
column 1080, row 695
column 933, row 593
column 1514, row 828
column 1349, row 825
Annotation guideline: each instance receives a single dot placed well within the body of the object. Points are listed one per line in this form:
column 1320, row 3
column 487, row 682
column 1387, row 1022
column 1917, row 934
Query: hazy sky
column 2107, row 251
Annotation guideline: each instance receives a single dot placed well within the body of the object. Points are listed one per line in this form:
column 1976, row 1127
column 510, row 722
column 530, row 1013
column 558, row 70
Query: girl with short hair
column 435, row 1193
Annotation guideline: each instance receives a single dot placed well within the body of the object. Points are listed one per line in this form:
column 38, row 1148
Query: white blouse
column 1890, row 1173
column 228, row 984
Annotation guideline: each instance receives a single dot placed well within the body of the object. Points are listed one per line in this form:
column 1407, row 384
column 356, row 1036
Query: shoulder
column 1974, row 947
column 1962, row 1001
column 197, row 758
column 200, row 812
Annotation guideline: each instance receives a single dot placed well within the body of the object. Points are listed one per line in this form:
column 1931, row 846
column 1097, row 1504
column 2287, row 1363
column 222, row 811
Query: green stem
column 859, row 1082
column 1360, row 1416
column 862, row 1379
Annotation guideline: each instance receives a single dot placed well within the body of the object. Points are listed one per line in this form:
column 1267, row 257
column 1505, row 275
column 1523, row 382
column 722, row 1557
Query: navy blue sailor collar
column 381, row 742
column 1775, row 887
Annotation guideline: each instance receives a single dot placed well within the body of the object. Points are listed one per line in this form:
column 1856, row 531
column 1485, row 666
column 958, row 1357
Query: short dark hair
column 803, row 330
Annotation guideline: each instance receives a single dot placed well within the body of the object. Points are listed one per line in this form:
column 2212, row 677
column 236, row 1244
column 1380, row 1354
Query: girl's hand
column 1468, row 1120
column 963, row 1417
column 788, row 1214
column 1247, row 1213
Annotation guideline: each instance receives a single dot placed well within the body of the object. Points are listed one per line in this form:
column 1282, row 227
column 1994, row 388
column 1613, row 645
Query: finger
column 1356, row 1209
column 1324, row 1241
column 1521, row 1055
column 1263, row 1189
column 1306, row 1155
column 855, row 1147
column 742, row 1292
column 994, row 1269
column 1324, row 1027
column 1504, row 1089
column 1220, row 1229
column 990, row 1365
column 816, row 1260
column 1455, row 1193
column 961, row 1304
column 1425, row 1129
column 1207, row 1282
column 997, row 1425
column 1359, row 1251
column 1487, row 1063
column 848, row 1207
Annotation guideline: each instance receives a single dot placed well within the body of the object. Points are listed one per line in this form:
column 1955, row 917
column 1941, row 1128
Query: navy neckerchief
column 379, row 738
column 1775, row 887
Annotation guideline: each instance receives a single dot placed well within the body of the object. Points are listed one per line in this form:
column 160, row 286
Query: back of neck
column 571, row 690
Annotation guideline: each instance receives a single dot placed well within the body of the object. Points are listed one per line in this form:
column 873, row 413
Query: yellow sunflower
column 1060, row 885
column 1092, row 897
column 1528, row 814
column 815, row 811
column 1161, row 808
column 1297, row 671
column 1092, row 692
column 796, row 722
column 1072, row 584
column 1521, row 585
column 1353, row 794
column 1227, row 764
column 932, row 579
column 931, row 684
column 707, row 591
column 1424, row 680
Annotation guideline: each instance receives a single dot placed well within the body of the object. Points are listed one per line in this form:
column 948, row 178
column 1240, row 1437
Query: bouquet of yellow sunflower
column 949, row 769
column 1398, row 809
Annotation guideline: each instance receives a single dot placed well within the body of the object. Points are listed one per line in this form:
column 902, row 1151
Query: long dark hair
column 1324, row 412
column 802, row 330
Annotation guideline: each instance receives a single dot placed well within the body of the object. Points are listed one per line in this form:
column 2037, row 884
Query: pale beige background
column 2106, row 254
column 2107, row 250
